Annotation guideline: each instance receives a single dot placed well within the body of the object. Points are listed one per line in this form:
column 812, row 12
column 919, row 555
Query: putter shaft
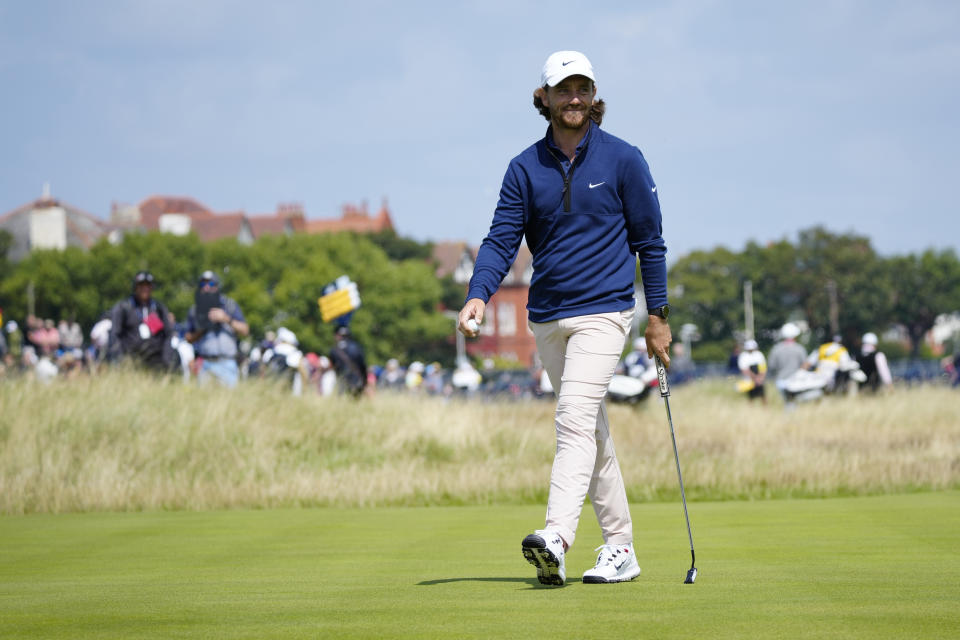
column 665, row 394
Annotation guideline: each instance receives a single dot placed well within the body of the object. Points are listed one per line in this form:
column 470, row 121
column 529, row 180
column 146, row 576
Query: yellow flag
column 339, row 302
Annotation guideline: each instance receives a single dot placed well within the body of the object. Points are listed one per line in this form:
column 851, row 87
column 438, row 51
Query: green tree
column 848, row 265
column 453, row 293
column 175, row 262
column 400, row 248
column 279, row 279
column 923, row 287
column 61, row 284
column 705, row 290
column 6, row 243
column 789, row 281
column 276, row 281
column 779, row 286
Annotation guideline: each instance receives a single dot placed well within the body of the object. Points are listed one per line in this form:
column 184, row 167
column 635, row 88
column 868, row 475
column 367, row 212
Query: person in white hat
column 873, row 363
column 588, row 207
column 291, row 363
column 786, row 358
column 753, row 366
column 637, row 361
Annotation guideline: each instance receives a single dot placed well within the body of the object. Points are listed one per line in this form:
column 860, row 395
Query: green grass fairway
column 876, row 567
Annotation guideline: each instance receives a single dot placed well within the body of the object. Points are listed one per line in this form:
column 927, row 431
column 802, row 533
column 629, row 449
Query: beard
column 570, row 118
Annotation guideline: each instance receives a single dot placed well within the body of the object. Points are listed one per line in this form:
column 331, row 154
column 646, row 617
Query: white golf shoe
column 544, row 550
column 616, row 563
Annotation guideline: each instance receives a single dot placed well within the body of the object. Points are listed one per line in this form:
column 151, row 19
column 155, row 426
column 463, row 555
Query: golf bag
column 631, row 390
column 804, row 385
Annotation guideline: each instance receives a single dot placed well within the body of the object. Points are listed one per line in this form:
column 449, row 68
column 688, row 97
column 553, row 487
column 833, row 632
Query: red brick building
column 181, row 215
column 504, row 332
column 353, row 218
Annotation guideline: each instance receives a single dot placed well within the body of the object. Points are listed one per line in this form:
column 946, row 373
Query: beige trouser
column 580, row 355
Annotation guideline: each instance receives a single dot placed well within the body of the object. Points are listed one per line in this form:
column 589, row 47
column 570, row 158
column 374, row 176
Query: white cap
column 562, row 65
column 750, row 345
column 870, row 338
column 790, row 331
column 286, row 336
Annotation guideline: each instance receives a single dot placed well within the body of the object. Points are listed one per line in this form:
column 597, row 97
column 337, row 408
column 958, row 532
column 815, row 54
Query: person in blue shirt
column 213, row 324
column 587, row 206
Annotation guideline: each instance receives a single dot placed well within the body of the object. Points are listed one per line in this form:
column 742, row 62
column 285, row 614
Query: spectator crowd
column 212, row 344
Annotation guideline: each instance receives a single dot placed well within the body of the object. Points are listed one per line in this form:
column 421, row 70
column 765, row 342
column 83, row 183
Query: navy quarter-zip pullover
column 586, row 222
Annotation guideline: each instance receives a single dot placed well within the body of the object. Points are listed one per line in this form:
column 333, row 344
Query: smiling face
column 569, row 102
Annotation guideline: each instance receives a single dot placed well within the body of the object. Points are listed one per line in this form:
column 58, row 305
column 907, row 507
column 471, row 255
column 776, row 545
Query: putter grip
column 662, row 377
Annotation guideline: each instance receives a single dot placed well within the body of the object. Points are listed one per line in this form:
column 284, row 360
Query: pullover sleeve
column 641, row 208
column 499, row 249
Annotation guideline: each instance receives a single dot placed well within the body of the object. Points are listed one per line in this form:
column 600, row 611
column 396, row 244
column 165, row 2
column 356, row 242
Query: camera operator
column 213, row 324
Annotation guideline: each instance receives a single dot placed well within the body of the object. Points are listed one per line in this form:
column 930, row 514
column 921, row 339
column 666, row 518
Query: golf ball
column 472, row 325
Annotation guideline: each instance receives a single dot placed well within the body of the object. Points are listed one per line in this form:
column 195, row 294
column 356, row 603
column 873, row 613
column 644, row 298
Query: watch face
column 664, row 311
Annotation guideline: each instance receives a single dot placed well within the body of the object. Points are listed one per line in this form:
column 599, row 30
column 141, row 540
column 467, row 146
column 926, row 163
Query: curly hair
column 597, row 109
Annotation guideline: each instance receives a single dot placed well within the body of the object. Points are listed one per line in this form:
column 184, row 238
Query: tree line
column 837, row 283
column 276, row 281
column 834, row 282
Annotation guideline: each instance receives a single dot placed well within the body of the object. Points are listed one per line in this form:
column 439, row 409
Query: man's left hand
column 658, row 338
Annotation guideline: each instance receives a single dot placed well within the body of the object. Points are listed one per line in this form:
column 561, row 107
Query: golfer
column 587, row 205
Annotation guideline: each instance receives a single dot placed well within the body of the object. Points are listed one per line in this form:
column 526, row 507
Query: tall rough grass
column 125, row 441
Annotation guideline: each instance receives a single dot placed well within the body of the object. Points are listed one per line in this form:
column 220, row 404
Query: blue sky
column 758, row 118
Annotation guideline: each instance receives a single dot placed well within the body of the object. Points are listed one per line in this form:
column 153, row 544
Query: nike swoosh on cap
column 563, row 64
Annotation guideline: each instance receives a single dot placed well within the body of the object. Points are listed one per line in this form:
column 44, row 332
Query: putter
column 665, row 394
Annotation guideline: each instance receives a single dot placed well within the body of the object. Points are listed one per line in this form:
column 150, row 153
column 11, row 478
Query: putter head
column 691, row 576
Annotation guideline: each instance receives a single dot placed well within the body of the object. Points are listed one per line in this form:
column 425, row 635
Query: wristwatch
column 663, row 311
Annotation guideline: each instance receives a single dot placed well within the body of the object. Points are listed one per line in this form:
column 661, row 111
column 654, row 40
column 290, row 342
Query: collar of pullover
column 548, row 140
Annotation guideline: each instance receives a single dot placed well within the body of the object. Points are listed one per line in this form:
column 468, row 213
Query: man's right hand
column 472, row 309
column 218, row 316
